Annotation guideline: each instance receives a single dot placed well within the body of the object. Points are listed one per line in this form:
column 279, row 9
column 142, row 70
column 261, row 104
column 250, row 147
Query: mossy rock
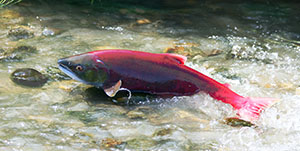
column 112, row 143
column 20, row 33
column 55, row 74
column 141, row 143
column 236, row 122
column 16, row 54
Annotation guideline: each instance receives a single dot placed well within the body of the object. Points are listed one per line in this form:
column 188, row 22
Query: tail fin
column 252, row 107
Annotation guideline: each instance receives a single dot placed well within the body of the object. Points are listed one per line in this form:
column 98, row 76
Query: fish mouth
column 63, row 66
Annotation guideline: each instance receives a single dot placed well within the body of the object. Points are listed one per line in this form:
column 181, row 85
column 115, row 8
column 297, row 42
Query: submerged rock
column 17, row 53
column 141, row 143
column 252, row 53
column 9, row 14
column 226, row 73
column 185, row 49
column 10, row 17
column 135, row 114
column 55, row 74
column 83, row 116
column 112, row 143
column 20, row 33
column 163, row 132
column 143, row 21
column 28, row 77
column 236, row 122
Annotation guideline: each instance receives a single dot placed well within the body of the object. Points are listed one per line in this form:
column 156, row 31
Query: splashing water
column 252, row 46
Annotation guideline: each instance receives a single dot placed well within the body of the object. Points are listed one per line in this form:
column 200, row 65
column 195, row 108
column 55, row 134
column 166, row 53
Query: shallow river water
column 255, row 47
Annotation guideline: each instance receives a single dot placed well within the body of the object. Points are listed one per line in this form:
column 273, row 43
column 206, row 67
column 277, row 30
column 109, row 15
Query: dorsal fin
column 179, row 58
column 227, row 85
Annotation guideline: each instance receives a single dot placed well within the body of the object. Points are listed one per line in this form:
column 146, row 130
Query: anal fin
column 112, row 91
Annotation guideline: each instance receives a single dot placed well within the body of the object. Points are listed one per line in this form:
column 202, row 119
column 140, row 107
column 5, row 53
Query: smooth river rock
column 28, row 77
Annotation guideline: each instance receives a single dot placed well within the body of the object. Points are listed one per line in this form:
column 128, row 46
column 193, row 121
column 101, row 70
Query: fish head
column 86, row 68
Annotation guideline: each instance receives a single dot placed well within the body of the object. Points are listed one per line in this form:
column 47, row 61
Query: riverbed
column 252, row 46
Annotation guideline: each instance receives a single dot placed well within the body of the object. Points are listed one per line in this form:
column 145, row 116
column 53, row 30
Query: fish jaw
column 63, row 66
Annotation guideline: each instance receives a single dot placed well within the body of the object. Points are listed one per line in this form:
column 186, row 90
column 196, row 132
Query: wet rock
column 10, row 17
column 251, row 53
column 28, row 77
column 17, row 53
column 55, row 74
column 226, row 73
column 191, row 50
column 25, row 49
column 48, row 32
column 163, row 132
column 9, row 14
column 112, row 143
column 1, row 51
column 117, row 110
column 141, row 143
column 83, row 116
column 20, row 33
column 134, row 114
column 177, row 116
column 191, row 146
column 236, row 122
column 143, row 21
column 69, row 85
column 214, row 52
column 140, row 112
column 184, row 115
column 182, row 48
column 51, row 121
column 176, row 49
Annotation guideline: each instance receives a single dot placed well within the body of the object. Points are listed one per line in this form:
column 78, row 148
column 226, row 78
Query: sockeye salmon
column 160, row 74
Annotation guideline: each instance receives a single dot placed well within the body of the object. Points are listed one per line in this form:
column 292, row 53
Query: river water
column 253, row 46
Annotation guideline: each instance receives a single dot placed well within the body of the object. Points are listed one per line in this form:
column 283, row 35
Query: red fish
column 160, row 74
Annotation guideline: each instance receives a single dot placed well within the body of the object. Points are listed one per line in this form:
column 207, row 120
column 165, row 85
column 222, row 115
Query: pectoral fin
column 112, row 91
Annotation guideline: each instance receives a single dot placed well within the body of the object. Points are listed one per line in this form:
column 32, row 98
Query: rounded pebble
column 28, row 77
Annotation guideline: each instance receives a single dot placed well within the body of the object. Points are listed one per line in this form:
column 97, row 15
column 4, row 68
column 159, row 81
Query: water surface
column 252, row 46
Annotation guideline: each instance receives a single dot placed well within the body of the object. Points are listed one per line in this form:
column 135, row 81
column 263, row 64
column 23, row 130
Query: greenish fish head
column 86, row 68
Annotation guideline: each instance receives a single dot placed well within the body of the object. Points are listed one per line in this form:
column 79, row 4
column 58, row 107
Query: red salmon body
column 161, row 74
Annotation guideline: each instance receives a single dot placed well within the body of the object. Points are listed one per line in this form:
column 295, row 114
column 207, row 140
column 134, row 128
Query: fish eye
column 79, row 68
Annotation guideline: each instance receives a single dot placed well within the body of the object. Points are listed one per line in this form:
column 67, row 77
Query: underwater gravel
column 241, row 49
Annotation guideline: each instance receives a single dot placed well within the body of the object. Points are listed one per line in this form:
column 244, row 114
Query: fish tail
column 251, row 108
